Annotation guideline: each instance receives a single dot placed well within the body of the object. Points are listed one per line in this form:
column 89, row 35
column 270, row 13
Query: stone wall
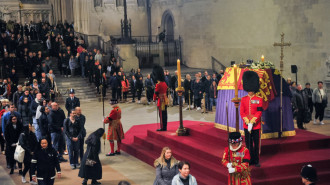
column 227, row 30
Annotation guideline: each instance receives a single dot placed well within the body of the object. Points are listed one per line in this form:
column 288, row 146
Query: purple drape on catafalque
column 271, row 116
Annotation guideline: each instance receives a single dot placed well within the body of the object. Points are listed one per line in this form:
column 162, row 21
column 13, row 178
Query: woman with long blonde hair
column 166, row 167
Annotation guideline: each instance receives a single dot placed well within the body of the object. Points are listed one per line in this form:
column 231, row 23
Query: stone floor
column 125, row 167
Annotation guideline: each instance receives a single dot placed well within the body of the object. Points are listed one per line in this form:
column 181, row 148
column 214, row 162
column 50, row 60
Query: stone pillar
column 327, row 87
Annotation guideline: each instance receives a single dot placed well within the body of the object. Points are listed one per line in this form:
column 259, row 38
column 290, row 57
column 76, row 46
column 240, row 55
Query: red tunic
column 240, row 161
column 115, row 129
column 249, row 109
column 160, row 94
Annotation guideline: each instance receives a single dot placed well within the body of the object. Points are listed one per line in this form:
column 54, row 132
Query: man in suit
column 71, row 102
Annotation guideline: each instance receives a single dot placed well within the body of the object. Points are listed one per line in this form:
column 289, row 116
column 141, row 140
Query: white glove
column 229, row 165
column 250, row 125
column 231, row 170
column 13, row 145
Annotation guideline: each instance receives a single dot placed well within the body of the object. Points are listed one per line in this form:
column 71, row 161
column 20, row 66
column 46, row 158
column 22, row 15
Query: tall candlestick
column 235, row 77
column 179, row 73
column 262, row 58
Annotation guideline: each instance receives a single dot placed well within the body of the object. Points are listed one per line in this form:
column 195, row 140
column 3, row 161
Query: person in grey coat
column 184, row 176
column 166, row 167
column 320, row 101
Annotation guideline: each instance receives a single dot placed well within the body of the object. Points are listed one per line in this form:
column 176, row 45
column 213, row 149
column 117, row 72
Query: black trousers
column 150, row 93
column 81, row 148
column 252, row 143
column 300, row 118
column 197, row 102
column 2, row 143
column 114, row 93
column 310, row 106
column 133, row 94
column 10, row 151
column 139, row 93
column 119, row 94
column 163, row 117
column 186, row 98
column 27, row 164
column 319, row 111
column 125, row 95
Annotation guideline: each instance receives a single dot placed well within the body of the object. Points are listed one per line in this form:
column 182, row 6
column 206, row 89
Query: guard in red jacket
column 115, row 129
column 236, row 158
column 251, row 111
column 160, row 95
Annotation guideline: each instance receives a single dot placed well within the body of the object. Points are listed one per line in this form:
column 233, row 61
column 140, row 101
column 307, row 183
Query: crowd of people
column 305, row 101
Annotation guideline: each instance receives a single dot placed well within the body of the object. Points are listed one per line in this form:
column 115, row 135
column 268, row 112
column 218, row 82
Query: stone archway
column 168, row 25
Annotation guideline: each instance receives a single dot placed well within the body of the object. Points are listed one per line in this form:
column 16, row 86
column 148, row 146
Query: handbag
column 19, row 153
column 89, row 162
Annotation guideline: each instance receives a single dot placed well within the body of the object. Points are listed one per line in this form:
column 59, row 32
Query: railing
column 218, row 63
column 35, row 1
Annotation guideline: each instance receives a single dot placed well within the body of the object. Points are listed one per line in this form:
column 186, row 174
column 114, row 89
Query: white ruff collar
column 234, row 150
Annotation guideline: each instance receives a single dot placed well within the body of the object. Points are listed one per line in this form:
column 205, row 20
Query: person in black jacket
column 139, row 88
column 44, row 88
column 197, row 88
column 55, row 126
column 25, row 111
column 73, row 132
column 45, row 161
column 13, row 130
column 92, row 153
column 187, row 88
column 206, row 86
column 174, row 84
column 82, row 120
column 71, row 102
column 133, row 87
column 150, row 86
column 299, row 102
column 29, row 143
column 98, row 78
column 213, row 94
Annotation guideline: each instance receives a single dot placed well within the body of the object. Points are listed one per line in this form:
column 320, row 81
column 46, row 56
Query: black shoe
column 159, row 130
column 84, row 182
column 117, row 153
column 257, row 165
column 20, row 172
column 95, row 183
column 110, row 154
column 11, row 171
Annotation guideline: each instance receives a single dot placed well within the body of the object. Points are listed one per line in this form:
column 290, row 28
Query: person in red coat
column 115, row 129
column 160, row 95
column 251, row 112
column 236, row 159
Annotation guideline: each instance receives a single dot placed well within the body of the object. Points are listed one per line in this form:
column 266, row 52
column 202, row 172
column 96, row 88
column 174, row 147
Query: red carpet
column 281, row 159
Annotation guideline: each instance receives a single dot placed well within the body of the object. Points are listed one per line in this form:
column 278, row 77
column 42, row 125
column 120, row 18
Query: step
column 192, row 145
column 197, row 162
column 148, row 156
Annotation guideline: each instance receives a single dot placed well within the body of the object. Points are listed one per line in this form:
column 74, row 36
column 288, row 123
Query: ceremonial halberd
column 269, row 91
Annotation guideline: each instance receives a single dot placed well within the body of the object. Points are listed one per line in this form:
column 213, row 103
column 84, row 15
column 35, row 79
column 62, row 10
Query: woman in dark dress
column 93, row 149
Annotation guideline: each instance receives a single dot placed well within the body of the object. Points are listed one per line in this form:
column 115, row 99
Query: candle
column 179, row 73
column 235, row 78
column 262, row 58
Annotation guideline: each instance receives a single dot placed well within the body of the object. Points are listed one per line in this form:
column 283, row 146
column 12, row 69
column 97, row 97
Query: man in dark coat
column 174, row 80
column 309, row 92
column 299, row 102
column 139, row 88
column 82, row 120
column 133, row 85
column 150, row 86
column 55, row 126
column 44, row 89
column 17, row 95
column 71, row 102
column 197, row 89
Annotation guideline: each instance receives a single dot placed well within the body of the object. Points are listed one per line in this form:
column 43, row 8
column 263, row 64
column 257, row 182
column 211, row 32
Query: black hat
column 71, row 91
column 250, row 81
column 235, row 137
column 158, row 73
column 309, row 173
